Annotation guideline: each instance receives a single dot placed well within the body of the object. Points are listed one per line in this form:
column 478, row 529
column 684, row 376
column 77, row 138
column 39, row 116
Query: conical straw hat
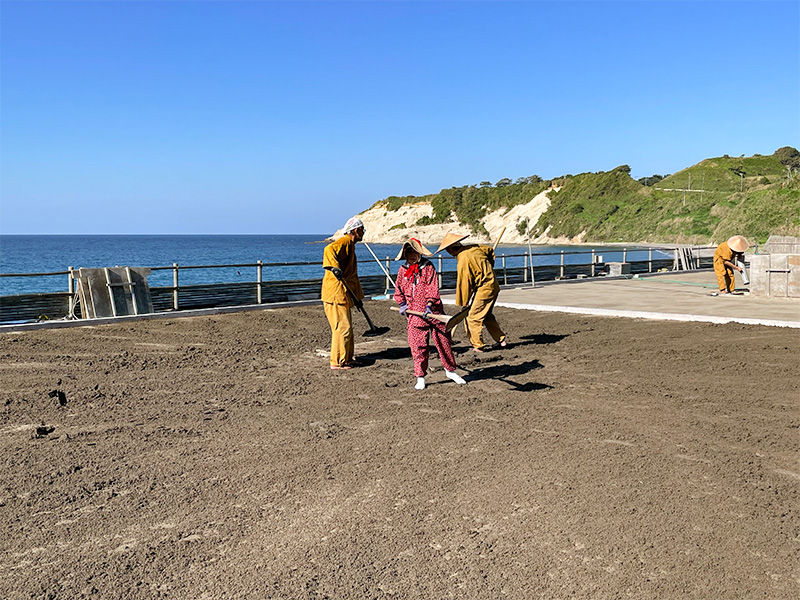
column 415, row 245
column 738, row 243
column 450, row 239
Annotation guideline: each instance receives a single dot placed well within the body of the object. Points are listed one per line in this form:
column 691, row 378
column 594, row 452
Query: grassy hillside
column 754, row 196
column 597, row 203
column 719, row 197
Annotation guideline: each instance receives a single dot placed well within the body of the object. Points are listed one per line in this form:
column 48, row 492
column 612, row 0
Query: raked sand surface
column 219, row 457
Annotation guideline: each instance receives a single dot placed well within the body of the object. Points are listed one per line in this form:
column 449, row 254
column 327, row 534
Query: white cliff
column 385, row 226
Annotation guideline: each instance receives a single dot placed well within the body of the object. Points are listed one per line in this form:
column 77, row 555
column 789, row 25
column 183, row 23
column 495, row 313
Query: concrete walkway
column 676, row 296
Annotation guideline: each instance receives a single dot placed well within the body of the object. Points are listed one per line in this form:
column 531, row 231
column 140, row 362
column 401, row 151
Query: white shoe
column 455, row 377
column 420, row 383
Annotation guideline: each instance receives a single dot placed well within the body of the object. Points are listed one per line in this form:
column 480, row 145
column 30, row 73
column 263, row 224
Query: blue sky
column 289, row 117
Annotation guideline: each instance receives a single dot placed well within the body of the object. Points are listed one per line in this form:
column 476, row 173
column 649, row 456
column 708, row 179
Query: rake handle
column 442, row 318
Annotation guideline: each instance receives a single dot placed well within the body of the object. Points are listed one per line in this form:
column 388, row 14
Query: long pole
column 380, row 264
column 502, row 231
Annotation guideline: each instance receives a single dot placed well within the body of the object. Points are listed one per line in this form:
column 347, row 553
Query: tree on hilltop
column 652, row 180
column 789, row 157
column 787, row 154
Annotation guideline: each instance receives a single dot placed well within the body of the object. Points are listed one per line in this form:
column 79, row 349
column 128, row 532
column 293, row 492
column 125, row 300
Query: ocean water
column 21, row 254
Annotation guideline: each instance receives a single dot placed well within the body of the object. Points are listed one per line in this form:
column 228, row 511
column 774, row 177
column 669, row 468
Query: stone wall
column 781, row 244
column 775, row 275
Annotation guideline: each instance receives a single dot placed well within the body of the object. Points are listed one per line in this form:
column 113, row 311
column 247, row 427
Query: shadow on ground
column 387, row 354
column 540, row 338
column 502, row 373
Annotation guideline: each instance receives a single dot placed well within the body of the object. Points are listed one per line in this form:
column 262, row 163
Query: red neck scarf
column 412, row 270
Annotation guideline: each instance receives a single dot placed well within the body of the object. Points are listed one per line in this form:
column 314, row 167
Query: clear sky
column 289, row 117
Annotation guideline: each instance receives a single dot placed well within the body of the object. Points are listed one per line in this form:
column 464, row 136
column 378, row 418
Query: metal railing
column 37, row 306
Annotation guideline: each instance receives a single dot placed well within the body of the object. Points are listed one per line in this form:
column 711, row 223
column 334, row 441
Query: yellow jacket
column 342, row 255
column 475, row 271
column 723, row 253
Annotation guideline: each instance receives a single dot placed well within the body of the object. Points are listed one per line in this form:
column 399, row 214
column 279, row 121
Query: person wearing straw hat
column 339, row 261
column 725, row 258
column 417, row 289
column 476, row 280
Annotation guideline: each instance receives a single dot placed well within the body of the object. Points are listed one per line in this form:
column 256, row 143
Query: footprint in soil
column 44, row 430
column 325, row 431
column 62, row 397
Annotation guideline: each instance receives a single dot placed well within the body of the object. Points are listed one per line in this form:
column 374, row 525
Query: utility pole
column 703, row 187
column 688, row 187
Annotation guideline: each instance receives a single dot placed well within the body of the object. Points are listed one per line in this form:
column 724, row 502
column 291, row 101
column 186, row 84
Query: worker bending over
column 725, row 257
column 476, row 277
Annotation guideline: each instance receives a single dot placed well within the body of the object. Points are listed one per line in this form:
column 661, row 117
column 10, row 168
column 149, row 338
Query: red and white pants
column 418, row 341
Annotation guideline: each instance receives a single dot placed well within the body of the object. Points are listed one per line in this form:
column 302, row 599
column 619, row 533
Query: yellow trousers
column 725, row 278
column 481, row 315
column 342, row 342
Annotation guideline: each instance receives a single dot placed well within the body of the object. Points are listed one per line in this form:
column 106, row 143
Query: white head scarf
column 352, row 223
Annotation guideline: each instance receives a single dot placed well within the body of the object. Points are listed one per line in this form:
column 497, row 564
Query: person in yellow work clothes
column 725, row 257
column 341, row 268
column 476, row 277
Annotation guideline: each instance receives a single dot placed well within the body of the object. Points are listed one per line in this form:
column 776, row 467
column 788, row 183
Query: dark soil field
column 219, row 457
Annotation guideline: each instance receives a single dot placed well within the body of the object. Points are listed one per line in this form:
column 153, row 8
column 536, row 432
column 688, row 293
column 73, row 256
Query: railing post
column 175, row 286
column 675, row 260
column 505, row 276
column 593, row 262
column 562, row 264
column 533, row 274
column 649, row 260
column 624, row 255
column 440, row 272
column 388, row 279
column 525, row 270
column 71, row 290
column 259, row 273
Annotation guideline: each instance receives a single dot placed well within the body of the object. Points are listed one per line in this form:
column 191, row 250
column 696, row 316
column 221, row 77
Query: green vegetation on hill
column 754, row 196
column 591, row 202
column 719, row 197
column 710, row 201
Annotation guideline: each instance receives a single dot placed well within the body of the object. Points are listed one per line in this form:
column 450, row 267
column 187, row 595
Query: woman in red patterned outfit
column 418, row 290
